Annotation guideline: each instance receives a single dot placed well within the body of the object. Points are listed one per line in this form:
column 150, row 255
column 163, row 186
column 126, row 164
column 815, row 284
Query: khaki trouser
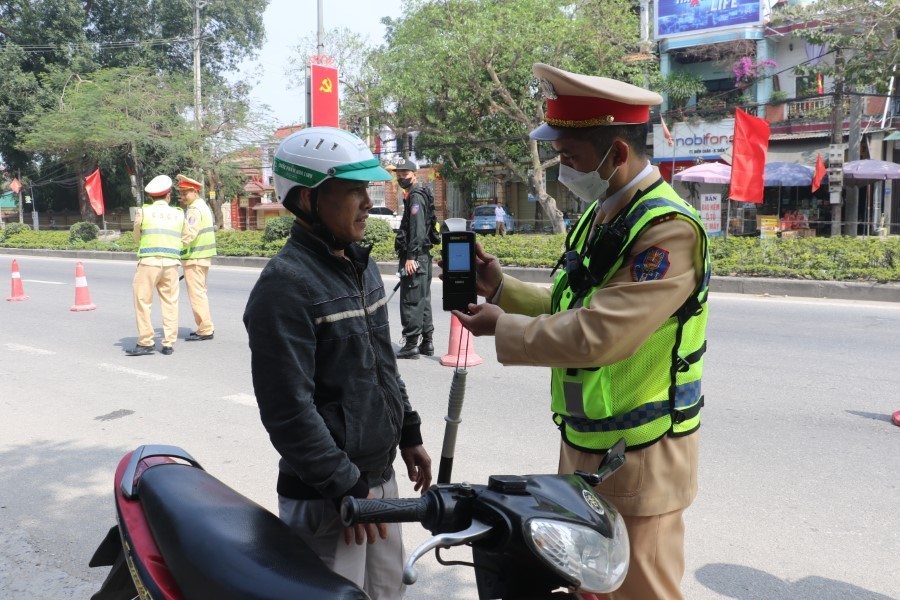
column 652, row 491
column 501, row 227
column 195, row 280
column 377, row 568
column 164, row 280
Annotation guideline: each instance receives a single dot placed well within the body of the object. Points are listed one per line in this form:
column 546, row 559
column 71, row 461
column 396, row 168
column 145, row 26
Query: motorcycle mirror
column 614, row 459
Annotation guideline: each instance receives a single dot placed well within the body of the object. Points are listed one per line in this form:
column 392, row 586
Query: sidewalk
column 838, row 290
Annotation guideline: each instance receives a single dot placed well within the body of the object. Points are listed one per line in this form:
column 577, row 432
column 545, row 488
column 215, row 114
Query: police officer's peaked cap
column 407, row 165
column 581, row 101
column 159, row 186
column 186, row 183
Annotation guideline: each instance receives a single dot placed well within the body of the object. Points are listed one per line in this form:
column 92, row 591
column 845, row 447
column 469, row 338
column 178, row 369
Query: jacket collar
column 355, row 253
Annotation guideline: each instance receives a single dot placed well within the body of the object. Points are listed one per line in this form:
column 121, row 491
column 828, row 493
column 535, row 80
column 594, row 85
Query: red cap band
column 585, row 111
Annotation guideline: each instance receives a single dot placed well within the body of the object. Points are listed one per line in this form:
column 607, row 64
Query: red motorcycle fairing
column 148, row 569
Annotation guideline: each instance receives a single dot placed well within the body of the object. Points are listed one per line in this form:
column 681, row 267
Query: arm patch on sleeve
column 651, row 264
column 414, row 209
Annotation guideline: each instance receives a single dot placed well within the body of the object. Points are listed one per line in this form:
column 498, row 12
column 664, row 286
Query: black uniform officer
column 413, row 248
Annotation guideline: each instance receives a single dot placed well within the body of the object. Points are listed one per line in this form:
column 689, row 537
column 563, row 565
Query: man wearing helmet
column 324, row 372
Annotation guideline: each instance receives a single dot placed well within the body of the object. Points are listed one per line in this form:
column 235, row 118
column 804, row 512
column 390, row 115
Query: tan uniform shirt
column 153, row 261
column 621, row 316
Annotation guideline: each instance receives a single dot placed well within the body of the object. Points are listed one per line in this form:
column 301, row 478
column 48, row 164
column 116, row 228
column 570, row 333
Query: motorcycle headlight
column 581, row 554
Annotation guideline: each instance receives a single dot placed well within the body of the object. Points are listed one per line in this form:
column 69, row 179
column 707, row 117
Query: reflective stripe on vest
column 656, row 391
column 204, row 245
column 161, row 231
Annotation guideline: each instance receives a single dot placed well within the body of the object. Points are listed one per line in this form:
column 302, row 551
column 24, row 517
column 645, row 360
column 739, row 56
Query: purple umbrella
column 784, row 174
column 862, row 172
column 705, row 173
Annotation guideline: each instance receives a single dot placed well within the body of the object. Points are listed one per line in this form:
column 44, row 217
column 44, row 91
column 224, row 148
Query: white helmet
column 310, row 156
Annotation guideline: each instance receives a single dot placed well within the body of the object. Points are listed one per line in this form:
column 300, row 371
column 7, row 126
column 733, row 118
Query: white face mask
column 587, row 186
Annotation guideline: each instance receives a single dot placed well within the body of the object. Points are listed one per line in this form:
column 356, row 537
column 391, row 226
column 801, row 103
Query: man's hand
column 482, row 319
column 488, row 273
column 411, row 266
column 361, row 531
column 418, row 466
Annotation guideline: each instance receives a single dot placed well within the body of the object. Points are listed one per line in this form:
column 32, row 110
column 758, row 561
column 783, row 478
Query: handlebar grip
column 393, row 510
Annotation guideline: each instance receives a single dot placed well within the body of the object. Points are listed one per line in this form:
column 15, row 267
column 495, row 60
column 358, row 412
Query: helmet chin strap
column 313, row 220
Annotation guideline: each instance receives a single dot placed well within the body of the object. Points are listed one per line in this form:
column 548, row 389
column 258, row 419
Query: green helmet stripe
column 303, row 175
column 357, row 166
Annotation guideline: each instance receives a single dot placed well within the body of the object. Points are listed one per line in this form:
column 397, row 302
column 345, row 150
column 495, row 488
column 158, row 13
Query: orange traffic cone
column 895, row 418
column 18, row 292
column 461, row 352
column 82, row 295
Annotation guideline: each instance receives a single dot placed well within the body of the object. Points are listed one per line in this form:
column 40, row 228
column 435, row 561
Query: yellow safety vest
column 656, row 391
column 204, row 245
column 161, row 227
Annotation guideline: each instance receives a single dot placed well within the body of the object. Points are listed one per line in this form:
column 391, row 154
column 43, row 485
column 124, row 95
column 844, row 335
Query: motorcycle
column 182, row 534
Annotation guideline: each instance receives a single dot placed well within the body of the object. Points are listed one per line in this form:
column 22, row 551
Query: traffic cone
column 18, row 292
column 460, row 341
column 82, row 295
column 896, row 418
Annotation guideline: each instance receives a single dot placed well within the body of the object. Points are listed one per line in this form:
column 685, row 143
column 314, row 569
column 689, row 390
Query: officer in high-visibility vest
column 199, row 247
column 623, row 327
column 158, row 229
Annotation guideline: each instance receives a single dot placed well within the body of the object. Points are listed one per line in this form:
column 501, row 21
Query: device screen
column 459, row 257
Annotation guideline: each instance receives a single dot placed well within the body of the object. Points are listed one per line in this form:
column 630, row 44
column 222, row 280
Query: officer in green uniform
column 623, row 327
column 413, row 248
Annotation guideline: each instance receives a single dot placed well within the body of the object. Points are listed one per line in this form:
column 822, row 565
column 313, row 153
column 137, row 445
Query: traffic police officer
column 199, row 247
column 158, row 230
column 623, row 327
column 412, row 246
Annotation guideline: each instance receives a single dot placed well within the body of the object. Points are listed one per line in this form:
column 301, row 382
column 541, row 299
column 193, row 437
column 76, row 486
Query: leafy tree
column 109, row 113
column 459, row 73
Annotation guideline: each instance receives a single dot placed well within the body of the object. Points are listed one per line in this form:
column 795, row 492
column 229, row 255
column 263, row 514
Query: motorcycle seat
column 220, row 544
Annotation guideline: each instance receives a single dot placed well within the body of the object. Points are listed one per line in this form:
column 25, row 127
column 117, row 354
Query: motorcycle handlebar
column 394, row 510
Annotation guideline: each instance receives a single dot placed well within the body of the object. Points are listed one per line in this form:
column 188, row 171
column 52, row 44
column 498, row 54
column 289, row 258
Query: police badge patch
column 414, row 209
column 649, row 265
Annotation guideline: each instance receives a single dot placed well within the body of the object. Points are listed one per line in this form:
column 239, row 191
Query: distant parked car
column 386, row 214
column 484, row 221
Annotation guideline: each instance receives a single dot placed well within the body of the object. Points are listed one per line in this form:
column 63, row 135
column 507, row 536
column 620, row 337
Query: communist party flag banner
column 748, row 164
column 324, row 102
column 94, row 191
column 819, row 174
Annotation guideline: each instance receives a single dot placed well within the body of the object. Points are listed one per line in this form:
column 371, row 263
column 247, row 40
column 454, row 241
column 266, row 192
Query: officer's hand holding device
column 458, row 265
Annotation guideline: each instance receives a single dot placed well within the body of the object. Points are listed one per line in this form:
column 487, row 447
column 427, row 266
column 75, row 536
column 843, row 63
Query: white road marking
column 29, row 350
column 245, row 399
column 42, row 281
column 145, row 375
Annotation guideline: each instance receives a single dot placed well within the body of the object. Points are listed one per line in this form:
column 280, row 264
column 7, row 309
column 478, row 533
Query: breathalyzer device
column 458, row 256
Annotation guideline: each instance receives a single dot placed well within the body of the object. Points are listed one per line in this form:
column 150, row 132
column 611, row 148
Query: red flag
column 748, row 165
column 819, row 174
column 14, row 185
column 666, row 133
column 94, row 191
column 820, row 86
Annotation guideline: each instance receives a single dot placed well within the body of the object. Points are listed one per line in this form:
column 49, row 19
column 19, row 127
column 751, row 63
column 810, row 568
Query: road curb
column 761, row 286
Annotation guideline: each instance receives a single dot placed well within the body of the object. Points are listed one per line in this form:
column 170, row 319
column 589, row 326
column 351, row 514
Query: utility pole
column 320, row 32
column 197, row 116
column 835, row 170
column 851, row 214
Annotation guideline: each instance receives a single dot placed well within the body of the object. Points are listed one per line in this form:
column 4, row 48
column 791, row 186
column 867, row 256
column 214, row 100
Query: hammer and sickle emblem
column 326, row 85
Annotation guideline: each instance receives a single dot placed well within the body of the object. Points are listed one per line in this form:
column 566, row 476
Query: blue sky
column 287, row 21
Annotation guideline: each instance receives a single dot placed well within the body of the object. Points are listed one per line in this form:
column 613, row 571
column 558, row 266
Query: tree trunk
column 215, row 203
column 537, row 185
column 84, row 204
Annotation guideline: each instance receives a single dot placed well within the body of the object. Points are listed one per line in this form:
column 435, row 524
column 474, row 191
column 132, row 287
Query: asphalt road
column 799, row 461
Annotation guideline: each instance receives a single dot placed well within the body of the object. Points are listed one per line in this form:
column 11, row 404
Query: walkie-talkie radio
column 458, row 256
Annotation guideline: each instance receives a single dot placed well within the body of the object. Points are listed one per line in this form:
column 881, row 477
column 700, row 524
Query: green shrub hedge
column 835, row 258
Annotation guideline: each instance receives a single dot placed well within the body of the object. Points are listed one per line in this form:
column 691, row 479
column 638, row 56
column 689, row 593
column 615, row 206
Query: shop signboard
column 711, row 213
column 768, row 226
column 686, row 17
column 708, row 141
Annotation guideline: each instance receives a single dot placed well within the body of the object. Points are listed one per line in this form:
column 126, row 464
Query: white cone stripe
column 81, row 282
column 16, row 275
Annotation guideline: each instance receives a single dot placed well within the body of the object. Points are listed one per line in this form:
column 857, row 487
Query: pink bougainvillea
column 746, row 70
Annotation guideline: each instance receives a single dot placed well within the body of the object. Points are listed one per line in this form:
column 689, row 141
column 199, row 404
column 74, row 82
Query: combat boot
column 426, row 348
column 410, row 349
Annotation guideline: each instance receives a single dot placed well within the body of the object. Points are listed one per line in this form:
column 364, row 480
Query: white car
column 386, row 214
